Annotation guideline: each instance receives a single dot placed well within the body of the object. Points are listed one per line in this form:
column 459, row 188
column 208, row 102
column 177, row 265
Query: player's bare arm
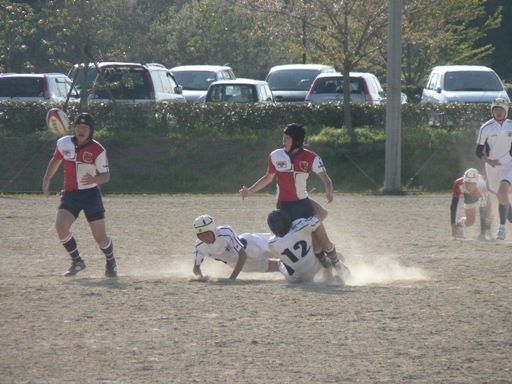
column 260, row 184
column 328, row 186
column 242, row 257
column 101, row 178
column 52, row 168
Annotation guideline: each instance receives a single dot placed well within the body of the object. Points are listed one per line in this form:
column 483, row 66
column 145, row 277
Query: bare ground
column 422, row 308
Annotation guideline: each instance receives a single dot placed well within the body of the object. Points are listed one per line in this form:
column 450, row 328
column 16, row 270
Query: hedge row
column 201, row 119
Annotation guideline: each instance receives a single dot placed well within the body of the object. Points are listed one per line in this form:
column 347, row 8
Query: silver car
column 463, row 84
column 240, row 90
column 195, row 79
column 290, row 83
column 51, row 87
column 364, row 88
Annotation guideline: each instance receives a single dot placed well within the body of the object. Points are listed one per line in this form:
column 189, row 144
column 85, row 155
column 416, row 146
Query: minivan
column 195, row 79
column 463, row 84
column 130, row 82
column 51, row 87
column 290, row 83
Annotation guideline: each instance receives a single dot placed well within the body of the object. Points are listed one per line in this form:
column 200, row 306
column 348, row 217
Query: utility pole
column 392, row 177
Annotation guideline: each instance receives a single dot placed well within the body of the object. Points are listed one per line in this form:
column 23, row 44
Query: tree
column 16, row 29
column 220, row 32
column 352, row 34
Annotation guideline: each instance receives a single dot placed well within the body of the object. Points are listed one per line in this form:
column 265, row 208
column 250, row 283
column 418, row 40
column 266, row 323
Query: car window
column 92, row 73
column 167, row 81
column 357, row 85
column 235, row 93
column 157, row 81
column 61, row 87
column 472, row 81
column 195, row 80
column 297, row 79
column 124, row 83
column 433, row 82
column 266, row 93
column 226, row 74
column 22, row 87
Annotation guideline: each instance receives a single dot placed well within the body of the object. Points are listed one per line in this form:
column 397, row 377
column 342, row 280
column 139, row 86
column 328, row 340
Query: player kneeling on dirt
column 293, row 244
column 473, row 187
column 248, row 252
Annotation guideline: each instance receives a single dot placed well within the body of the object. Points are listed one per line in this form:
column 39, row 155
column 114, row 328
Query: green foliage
column 238, row 119
column 216, row 148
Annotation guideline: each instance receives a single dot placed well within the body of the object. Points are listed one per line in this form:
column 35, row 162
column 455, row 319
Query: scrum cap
column 87, row 119
column 500, row 102
column 297, row 133
column 471, row 176
column 204, row 223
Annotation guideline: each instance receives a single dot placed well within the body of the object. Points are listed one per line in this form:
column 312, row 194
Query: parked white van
column 51, row 87
column 129, row 82
column 463, row 84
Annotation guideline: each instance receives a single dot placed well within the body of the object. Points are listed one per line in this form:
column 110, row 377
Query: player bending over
column 293, row 244
column 472, row 186
column 245, row 253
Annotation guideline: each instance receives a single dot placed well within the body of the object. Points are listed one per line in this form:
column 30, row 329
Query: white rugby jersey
column 295, row 249
column 225, row 247
column 497, row 140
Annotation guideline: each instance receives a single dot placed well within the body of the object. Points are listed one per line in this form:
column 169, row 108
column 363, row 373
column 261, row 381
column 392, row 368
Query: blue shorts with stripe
column 88, row 200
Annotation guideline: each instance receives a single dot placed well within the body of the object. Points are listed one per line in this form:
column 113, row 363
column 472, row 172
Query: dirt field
column 422, row 308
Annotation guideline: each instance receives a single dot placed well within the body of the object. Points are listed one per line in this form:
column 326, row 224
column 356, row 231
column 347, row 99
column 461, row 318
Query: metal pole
column 392, row 179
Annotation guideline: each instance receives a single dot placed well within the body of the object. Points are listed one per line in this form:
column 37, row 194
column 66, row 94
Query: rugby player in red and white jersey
column 85, row 168
column 493, row 148
column 248, row 252
column 293, row 245
column 473, row 188
column 292, row 164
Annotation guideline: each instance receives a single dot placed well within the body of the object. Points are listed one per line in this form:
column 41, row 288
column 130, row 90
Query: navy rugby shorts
column 87, row 200
column 297, row 209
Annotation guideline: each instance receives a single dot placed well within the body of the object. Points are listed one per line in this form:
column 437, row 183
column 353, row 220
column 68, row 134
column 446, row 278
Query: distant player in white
column 293, row 245
column 493, row 148
column 248, row 252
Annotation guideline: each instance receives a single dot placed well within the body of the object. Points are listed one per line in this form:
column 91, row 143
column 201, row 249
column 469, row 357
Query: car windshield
column 292, row 80
column 232, row 93
column 194, row 80
column 472, row 81
column 80, row 82
column 21, row 87
column 335, row 85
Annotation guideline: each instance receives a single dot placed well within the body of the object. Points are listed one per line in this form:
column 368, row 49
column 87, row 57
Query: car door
column 429, row 93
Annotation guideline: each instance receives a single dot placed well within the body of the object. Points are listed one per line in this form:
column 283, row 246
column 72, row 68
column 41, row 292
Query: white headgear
column 471, row 176
column 499, row 102
column 205, row 223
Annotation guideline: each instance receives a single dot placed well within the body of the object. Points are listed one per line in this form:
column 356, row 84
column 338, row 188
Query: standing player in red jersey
column 292, row 164
column 473, row 187
column 85, row 167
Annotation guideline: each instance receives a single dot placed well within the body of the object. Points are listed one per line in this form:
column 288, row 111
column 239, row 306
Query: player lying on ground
column 293, row 244
column 248, row 252
column 473, row 187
